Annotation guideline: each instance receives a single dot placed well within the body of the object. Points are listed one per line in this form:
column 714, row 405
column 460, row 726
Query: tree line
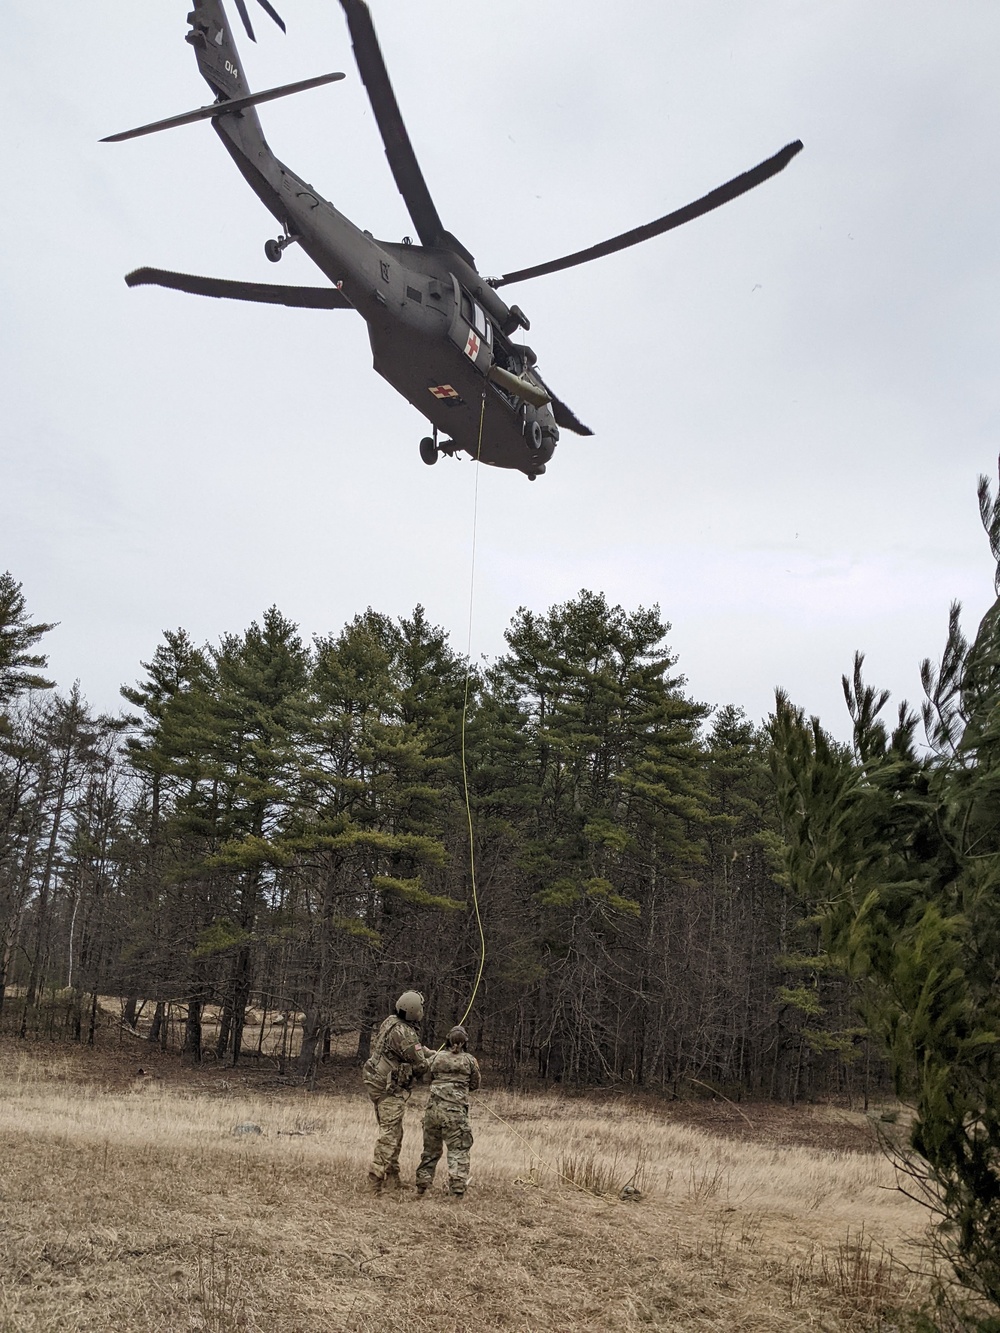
column 671, row 897
column 280, row 827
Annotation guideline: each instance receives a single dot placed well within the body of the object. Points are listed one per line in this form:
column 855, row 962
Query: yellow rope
column 517, row 1134
column 468, row 815
column 606, row 1198
column 465, row 712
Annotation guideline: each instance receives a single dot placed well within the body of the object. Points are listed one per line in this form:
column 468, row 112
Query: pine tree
column 900, row 852
column 610, row 746
column 18, row 666
column 258, row 717
column 384, row 740
column 20, row 758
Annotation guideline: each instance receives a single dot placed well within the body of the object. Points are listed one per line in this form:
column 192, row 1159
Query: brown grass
column 129, row 1204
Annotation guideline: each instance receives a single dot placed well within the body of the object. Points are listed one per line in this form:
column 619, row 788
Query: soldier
column 388, row 1072
column 454, row 1074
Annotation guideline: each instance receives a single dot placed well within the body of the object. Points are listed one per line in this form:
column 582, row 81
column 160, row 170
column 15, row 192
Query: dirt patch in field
column 827, row 1126
column 832, row 1128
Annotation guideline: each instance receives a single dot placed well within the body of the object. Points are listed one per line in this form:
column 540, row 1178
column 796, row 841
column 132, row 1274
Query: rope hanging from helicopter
column 465, row 714
column 540, row 1158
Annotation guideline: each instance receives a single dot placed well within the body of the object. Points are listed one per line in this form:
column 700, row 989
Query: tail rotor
column 241, row 9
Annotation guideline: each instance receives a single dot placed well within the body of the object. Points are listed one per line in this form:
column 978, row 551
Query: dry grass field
column 131, row 1204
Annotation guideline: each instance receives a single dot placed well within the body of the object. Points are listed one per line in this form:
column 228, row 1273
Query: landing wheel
column 532, row 476
column 428, row 450
column 273, row 250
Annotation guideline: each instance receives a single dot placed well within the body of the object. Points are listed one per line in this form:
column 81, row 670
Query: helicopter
column 440, row 333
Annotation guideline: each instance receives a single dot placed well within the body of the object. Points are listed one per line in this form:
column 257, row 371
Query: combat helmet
column 410, row 1006
column 457, row 1035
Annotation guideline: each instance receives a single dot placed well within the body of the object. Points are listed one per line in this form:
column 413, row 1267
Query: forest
column 278, row 827
column 626, row 888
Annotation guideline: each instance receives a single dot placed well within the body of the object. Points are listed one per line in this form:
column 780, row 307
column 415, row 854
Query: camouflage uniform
column 454, row 1075
column 396, row 1056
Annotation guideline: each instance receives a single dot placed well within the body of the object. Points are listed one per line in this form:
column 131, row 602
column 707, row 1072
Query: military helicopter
column 439, row 331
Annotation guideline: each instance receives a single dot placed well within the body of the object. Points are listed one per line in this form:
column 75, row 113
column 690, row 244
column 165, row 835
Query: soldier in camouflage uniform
column 396, row 1056
column 454, row 1074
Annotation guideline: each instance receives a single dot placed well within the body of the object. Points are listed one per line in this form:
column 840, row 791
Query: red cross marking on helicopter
column 472, row 346
column 444, row 391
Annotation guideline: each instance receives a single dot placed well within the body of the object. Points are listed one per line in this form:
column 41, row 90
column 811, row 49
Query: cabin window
column 474, row 314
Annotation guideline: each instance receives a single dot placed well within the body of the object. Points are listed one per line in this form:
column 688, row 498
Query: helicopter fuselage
column 435, row 326
column 439, row 332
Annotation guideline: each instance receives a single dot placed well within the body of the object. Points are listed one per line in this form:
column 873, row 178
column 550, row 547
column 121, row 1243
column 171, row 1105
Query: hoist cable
column 465, row 714
column 468, row 815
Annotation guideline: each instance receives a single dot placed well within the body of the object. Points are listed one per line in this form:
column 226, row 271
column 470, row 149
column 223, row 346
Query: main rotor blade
column 568, row 419
column 564, row 416
column 731, row 190
column 398, row 149
column 309, row 298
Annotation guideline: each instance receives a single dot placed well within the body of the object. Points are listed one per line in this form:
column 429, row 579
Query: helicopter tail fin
column 218, row 59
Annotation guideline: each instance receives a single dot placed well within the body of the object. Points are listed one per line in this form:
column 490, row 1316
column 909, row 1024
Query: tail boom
column 218, row 58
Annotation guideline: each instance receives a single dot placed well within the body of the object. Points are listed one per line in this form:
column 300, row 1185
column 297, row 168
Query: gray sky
column 792, row 397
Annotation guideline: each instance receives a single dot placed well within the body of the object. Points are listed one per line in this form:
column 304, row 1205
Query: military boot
column 374, row 1183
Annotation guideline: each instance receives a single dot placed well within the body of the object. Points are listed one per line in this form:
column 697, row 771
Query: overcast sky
column 792, row 398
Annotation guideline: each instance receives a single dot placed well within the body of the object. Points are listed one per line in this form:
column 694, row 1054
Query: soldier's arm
column 405, row 1043
column 420, row 1058
column 475, row 1077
